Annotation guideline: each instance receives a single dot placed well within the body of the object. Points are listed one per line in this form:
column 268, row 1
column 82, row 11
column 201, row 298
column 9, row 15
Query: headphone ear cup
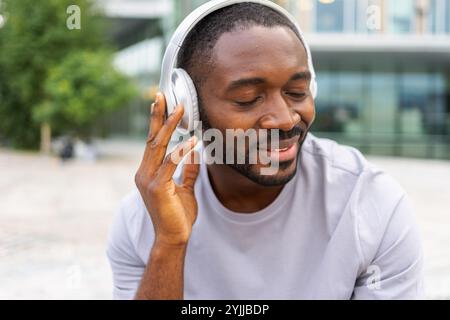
column 184, row 91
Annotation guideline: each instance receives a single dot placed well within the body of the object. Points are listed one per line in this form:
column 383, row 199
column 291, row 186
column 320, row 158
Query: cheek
column 225, row 116
column 308, row 111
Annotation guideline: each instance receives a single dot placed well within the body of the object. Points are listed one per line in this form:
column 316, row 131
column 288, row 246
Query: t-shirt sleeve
column 127, row 267
column 396, row 270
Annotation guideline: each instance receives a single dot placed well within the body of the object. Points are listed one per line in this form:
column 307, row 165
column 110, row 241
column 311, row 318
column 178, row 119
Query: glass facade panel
column 422, row 113
column 330, row 16
column 433, row 17
column 360, row 17
column 447, row 16
column 381, row 111
column 439, row 16
column 385, row 113
column 402, row 15
column 339, row 102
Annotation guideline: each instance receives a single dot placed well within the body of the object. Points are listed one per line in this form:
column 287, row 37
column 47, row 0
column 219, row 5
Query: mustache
column 284, row 135
column 296, row 131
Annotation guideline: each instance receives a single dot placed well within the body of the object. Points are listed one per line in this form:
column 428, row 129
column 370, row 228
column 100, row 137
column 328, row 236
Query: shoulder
column 132, row 209
column 345, row 169
column 368, row 196
column 132, row 224
column 334, row 155
column 344, row 164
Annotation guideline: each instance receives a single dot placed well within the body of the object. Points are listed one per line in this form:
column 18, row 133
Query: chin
column 284, row 174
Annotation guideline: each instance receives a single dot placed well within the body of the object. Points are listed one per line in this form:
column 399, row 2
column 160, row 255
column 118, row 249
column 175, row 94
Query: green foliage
column 80, row 89
column 34, row 42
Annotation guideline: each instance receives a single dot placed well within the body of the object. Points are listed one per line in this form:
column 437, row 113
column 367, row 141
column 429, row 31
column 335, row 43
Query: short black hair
column 200, row 41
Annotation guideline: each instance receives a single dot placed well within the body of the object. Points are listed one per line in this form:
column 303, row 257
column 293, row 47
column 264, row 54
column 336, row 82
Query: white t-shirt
column 340, row 229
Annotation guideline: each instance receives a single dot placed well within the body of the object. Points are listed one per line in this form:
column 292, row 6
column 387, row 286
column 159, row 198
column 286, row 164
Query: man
column 326, row 225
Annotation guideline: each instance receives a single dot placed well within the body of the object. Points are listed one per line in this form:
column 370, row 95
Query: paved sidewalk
column 54, row 220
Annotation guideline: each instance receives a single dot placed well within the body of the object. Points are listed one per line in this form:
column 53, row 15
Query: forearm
column 164, row 275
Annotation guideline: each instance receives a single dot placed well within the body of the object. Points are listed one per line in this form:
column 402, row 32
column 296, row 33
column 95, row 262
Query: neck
column 238, row 193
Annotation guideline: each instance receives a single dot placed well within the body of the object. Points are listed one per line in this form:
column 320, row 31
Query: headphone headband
column 171, row 54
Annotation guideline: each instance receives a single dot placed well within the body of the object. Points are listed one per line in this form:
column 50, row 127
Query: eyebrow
column 245, row 82
column 304, row 75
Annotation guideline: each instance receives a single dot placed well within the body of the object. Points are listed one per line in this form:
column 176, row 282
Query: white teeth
column 278, row 150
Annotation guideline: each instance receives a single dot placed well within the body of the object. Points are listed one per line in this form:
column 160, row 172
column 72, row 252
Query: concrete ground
column 54, row 220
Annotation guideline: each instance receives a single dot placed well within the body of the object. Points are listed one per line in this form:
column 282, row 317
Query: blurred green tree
column 79, row 90
column 34, row 40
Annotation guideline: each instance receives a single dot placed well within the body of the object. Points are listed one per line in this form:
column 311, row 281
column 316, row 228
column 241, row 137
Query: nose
column 279, row 115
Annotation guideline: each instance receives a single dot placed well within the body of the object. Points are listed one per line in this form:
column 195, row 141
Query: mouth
column 286, row 143
column 285, row 150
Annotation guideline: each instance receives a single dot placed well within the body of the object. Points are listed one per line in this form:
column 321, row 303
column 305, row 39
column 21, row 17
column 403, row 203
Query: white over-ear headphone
column 178, row 86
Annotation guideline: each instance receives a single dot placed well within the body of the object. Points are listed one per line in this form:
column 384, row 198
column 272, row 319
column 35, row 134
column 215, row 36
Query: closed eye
column 247, row 103
column 296, row 95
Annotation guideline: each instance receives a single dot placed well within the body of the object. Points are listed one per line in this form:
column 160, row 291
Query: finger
column 159, row 145
column 191, row 170
column 166, row 131
column 148, row 163
column 172, row 160
column 157, row 116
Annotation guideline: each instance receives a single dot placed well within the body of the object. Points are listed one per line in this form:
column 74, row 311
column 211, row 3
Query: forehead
column 273, row 53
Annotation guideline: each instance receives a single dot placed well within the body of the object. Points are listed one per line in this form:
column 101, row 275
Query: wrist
column 162, row 243
column 167, row 252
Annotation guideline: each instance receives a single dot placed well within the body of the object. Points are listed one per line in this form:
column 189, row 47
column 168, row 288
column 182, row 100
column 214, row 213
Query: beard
column 251, row 171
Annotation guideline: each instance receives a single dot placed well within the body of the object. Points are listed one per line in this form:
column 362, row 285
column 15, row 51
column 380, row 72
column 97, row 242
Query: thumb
column 191, row 170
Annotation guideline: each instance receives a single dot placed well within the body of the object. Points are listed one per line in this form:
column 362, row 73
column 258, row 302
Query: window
column 340, row 102
column 433, row 17
column 330, row 15
column 361, row 16
column 402, row 16
column 438, row 16
column 447, row 16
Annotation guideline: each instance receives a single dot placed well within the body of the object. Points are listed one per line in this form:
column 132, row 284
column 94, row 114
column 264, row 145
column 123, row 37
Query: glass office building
column 383, row 70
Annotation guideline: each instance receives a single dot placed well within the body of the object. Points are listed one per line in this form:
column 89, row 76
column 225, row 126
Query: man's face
column 260, row 80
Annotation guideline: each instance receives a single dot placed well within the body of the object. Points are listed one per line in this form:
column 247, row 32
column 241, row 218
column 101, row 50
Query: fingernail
column 158, row 97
